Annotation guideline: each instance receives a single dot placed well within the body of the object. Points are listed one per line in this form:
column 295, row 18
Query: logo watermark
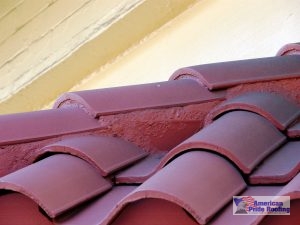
column 263, row 205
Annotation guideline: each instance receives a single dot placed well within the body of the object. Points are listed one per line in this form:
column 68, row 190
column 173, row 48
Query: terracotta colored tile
column 154, row 211
column 293, row 218
column 57, row 183
column 96, row 211
column 141, row 171
column 17, row 209
column 200, row 182
column 280, row 167
column 227, row 74
column 290, row 49
column 243, row 137
column 129, row 98
column 107, row 154
column 32, row 126
column 291, row 189
column 274, row 107
column 226, row 217
column 294, row 130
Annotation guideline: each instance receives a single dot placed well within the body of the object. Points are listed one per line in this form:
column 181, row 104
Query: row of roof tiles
column 83, row 175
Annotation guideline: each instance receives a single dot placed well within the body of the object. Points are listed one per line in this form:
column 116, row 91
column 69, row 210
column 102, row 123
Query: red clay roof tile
column 32, row 126
column 129, row 98
column 293, row 218
column 186, row 182
column 107, row 154
column 280, row 167
column 153, row 211
column 57, row 183
column 289, row 49
column 192, row 181
column 226, row 216
column 17, row 209
column 96, row 211
column 291, row 189
column 294, row 130
column 227, row 74
column 243, row 137
column 141, row 171
column 274, row 107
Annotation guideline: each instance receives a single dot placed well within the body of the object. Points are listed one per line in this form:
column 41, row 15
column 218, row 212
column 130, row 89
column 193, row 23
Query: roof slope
column 142, row 154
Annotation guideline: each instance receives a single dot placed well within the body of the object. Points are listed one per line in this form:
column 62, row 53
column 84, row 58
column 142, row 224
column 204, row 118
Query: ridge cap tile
column 57, row 183
column 190, row 168
column 195, row 179
column 38, row 125
column 244, row 137
column 279, row 167
column 222, row 75
column 274, row 107
column 289, row 49
column 114, row 100
column 106, row 154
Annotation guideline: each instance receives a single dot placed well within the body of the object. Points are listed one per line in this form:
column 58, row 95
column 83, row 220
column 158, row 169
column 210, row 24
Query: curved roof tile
column 273, row 107
column 38, row 125
column 16, row 209
column 290, row 49
column 57, row 183
column 227, row 74
column 98, row 210
column 107, row 154
column 280, row 167
column 243, row 137
column 291, row 189
column 151, row 211
column 294, row 130
column 186, row 182
column 141, row 171
column 226, row 216
column 128, row 98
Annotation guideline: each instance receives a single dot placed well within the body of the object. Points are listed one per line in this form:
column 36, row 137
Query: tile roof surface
column 173, row 152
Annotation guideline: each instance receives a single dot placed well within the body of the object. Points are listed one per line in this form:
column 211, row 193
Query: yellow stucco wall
column 210, row 31
column 57, row 43
column 60, row 45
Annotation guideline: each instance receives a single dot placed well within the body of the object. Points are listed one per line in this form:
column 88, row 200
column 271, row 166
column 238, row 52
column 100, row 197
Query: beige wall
column 53, row 46
column 210, row 31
